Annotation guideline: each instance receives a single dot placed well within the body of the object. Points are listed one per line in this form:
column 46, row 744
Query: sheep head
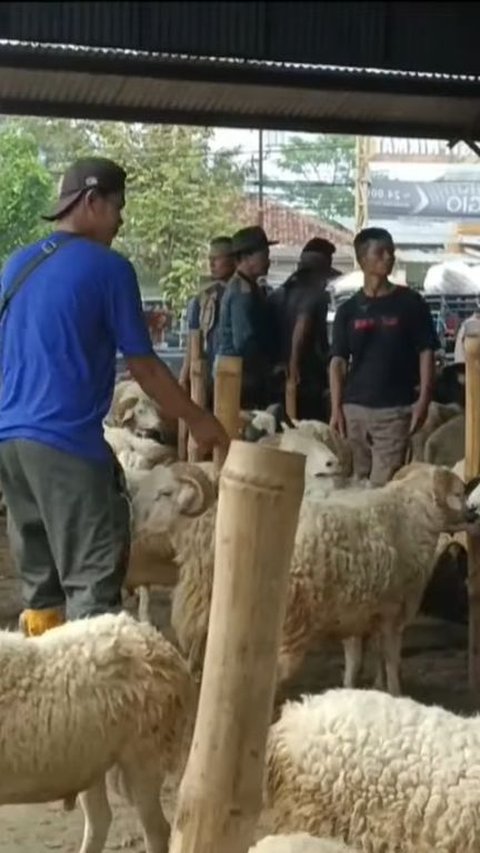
column 444, row 487
column 166, row 493
column 321, row 461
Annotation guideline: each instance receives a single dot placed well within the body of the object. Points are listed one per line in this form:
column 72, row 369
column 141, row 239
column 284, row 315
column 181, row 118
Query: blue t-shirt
column 58, row 344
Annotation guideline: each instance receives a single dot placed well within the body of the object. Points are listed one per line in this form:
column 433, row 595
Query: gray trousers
column 379, row 439
column 68, row 526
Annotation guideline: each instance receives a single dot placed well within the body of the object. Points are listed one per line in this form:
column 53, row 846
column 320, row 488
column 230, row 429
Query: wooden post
column 226, row 398
column 195, row 347
column 472, row 469
column 198, row 393
column 220, row 796
column 291, row 399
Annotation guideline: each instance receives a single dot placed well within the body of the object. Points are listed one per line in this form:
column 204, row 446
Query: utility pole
column 260, row 178
column 362, row 180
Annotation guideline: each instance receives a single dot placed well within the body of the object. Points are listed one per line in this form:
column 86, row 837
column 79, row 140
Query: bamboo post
column 226, row 399
column 195, row 349
column 291, row 399
column 198, row 392
column 472, row 469
column 220, row 795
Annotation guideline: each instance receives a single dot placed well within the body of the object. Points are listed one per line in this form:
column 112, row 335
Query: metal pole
column 260, row 178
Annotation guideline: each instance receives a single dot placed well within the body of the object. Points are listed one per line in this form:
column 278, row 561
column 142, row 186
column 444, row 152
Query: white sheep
column 299, row 842
column 137, row 452
column 134, row 409
column 361, row 561
column 384, row 774
column 106, row 695
column 176, row 493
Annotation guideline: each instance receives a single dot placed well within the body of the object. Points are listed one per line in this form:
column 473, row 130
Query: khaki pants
column 379, row 439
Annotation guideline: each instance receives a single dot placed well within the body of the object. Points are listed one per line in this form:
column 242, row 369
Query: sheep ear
column 197, row 492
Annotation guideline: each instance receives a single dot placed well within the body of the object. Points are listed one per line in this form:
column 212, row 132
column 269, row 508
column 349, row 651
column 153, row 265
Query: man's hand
column 419, row 416
column 208, row 432
column 337, row 422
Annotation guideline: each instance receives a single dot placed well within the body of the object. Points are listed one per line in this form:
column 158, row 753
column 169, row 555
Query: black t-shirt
column 382, row 339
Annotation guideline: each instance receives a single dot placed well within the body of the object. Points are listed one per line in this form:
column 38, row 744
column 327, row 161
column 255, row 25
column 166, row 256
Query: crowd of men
column 374, row 382
column 70, row 303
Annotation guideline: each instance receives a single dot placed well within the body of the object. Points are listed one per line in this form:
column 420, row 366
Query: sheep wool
column 299, row 842
column 387, row 775
column 85, row 698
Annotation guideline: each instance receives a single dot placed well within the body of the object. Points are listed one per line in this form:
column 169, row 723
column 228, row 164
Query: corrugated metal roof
column 419, row 36
column 129, row 86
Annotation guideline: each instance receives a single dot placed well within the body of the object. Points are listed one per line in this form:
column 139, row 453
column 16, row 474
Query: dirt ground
column 434, row 671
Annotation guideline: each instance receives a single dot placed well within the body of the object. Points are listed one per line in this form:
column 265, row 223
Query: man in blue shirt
column 204, row 309
column 74, row 303
column 246, row 328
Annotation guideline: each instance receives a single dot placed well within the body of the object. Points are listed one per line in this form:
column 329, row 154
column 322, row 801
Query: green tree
column 325, row 168
column 179, row 193
column 25, row 190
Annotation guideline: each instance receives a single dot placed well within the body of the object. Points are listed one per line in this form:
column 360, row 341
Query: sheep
column 182, row 491
column 95, row 698
column 360, row 564
column 446, row 445
column 132, row 408
column 137, row 452
column 438, row 414
column 299, row 842
column 382, row 773
column 257, row 423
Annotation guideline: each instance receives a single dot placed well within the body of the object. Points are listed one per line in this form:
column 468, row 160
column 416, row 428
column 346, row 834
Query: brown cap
column 87, row 174
column 250, row 240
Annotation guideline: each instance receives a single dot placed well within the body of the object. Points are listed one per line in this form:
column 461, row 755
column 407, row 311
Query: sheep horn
column 204, row 490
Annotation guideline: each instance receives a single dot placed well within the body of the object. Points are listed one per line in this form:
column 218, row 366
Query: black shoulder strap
column 49, row 247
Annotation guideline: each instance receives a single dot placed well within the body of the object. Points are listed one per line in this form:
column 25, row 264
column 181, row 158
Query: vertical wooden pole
column 472, row 469
column 196, row 347
column 227, row 395
column 220, row 796
column 291, row 399
column 198, row 392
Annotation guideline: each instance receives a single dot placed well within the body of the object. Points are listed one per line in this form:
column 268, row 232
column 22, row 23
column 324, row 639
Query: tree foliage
column 25, row 190
column 179, row 193
column 325, row 167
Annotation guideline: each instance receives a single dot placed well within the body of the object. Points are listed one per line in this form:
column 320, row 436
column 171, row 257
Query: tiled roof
column 291, row 227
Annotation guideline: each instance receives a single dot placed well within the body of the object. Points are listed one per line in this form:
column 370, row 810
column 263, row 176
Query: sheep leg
column 144, row 794
column 392, row 652
column 144, row 604
column 353, row 651
column 98, row 817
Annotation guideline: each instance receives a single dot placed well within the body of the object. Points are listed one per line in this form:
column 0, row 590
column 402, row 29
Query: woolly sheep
column 298, row 842
column 137, row 452
column 384, row 774
column 134, row 409
column 447, row 444
column 105, row 695
column 438, row 414
column 169, row 496
column 360, row 564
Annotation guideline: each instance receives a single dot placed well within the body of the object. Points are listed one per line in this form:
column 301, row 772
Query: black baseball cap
column 87, row 174
column 250, row 240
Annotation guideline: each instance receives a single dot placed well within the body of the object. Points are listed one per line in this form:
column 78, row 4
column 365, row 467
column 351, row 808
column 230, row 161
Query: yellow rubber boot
column 33, row 623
